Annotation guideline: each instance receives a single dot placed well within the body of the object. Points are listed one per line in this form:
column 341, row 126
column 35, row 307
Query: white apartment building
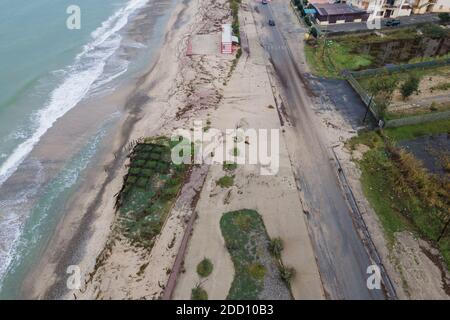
column 384, row 8
column 399, row 8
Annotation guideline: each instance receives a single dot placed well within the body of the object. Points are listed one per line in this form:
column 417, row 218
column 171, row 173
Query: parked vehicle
column 392, row 23
column 271, row 23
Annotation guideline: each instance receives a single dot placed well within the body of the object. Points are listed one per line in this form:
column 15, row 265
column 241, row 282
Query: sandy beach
column 177, row 90
column 85, row 229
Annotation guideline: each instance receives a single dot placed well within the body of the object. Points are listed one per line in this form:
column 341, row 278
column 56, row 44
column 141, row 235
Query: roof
column 330, row 9
column 226, row 33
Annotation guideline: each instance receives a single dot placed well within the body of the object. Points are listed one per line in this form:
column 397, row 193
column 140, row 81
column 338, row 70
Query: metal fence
column 365, row 96
column 428, row 117
column 352, row 76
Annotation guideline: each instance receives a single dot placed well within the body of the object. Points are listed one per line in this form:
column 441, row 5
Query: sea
column 48, row 139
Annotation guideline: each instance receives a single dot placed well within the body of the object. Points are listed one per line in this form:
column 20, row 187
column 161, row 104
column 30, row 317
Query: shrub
column 225, row 181
column 434, row 31
column 198, row 293
column 287, row 273
column 229, row 166
column 410, row 86
column 307, row 20
column 257, row 270
column 275, row 247
column 444, row 17
column 204, row 268
column 315, row 32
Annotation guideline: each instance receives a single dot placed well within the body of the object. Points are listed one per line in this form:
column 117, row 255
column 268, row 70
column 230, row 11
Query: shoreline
column 84, row 229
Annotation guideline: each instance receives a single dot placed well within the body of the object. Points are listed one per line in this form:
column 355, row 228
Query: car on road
column 392, row 23
column 264, row 1
column 271, row 23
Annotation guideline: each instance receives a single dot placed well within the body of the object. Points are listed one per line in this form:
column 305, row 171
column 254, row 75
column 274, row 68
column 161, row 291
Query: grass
column 204, row 268
column 403, row 194
column 376, row 173
column 327, row 58
column 198, row 293
column 149, row 190
column 414, row 131
column 434, row 107
column 246, row 239
column 335, row 58
column 225, row 181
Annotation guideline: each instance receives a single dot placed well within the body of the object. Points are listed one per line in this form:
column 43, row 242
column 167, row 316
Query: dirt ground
column 428, row 95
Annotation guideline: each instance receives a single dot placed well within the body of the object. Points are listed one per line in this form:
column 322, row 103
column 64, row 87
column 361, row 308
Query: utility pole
column 368, row 108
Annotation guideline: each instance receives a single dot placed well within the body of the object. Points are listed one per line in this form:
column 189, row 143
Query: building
column 226, row 45
column 426, row 6
column 400, row 8
column 331, row 13
column 384, row 8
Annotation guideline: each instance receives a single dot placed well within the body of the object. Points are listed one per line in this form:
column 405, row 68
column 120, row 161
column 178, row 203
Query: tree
column 308, row 20
column 444, row 17
column 315, row 32
column 410, row 86
column 382, row 87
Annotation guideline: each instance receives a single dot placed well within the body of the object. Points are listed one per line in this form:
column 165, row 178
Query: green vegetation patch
column 198, row 293
column 327, row 58
column 414, row 131
column 149, row 191
column 204, row 268
column 230, row 166
column 248, row 244
column 225, row 181
column 403, row 193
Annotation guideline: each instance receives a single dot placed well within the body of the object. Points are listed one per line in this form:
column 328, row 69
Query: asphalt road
column 341, row 255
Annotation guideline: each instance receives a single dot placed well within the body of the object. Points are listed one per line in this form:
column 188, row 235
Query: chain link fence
column 352, row 76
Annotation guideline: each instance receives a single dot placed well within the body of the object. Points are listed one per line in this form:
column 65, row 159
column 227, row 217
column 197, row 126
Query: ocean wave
column 11, row 223
column 22, row 234
column 81, row 76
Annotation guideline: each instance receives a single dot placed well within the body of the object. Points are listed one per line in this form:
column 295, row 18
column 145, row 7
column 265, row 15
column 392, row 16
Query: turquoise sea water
column 45, row 71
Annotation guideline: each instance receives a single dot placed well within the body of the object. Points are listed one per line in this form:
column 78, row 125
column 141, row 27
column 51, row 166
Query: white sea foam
column 85, row 71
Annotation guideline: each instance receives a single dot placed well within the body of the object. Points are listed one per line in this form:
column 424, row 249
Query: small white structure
column 226, row 45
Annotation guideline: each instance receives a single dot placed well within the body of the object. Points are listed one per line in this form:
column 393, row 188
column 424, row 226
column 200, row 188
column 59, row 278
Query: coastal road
column 342, row 257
